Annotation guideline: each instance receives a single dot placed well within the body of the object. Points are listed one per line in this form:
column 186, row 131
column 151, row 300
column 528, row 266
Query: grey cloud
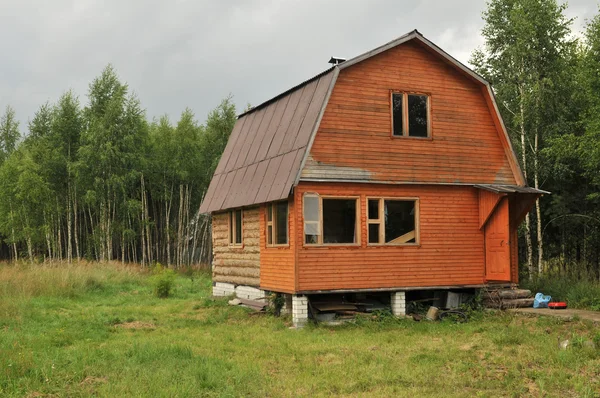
column 177, row 54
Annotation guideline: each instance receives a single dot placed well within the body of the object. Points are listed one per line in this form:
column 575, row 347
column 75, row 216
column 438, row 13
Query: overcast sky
column 177, row 53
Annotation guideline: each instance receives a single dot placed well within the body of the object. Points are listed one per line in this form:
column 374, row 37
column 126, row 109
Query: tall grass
column 24, row 280
column 578, row 287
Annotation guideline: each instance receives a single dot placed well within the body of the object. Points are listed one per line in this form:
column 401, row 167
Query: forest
column 99, row 181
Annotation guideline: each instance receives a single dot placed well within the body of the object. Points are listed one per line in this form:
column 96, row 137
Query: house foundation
column 299, row 310
column 398, row 302
column 221, row 289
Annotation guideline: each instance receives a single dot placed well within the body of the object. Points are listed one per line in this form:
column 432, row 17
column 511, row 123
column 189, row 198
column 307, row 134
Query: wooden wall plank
column 451, row 249
column 277, row 264
column 355, row 132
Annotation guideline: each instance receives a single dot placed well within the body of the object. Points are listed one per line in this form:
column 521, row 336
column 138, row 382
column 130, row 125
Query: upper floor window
column 277, row 223
column 410, row 115
column 392, row 221
column 330, row 220
column 235, row 227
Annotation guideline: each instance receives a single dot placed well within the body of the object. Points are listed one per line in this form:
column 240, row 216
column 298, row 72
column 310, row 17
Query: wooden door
column 497, row 244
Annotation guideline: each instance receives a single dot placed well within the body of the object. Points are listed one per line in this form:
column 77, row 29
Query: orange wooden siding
column 487, row 203
column 354, row 137
column 451, row 250
column 277, row 263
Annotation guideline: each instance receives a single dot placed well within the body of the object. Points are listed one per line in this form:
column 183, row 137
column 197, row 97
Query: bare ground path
column 593, row 316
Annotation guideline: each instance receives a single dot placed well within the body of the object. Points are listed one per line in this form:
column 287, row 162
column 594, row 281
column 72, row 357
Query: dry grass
column 24, row 280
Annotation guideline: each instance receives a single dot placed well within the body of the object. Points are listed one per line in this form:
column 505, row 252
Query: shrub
column 163, row 281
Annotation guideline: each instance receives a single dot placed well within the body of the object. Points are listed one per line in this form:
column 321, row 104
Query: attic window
column 410, row 115
column 393, row 221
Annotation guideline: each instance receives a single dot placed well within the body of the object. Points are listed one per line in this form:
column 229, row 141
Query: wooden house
column 389, row 172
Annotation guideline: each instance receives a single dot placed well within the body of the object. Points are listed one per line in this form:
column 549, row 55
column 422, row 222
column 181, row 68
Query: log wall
column 237, row 265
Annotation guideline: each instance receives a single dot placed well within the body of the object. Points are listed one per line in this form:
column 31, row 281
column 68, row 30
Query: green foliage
column 276, row 303
column 163, row 281
column 101, row 182
column 547, row 85
column 9, row 133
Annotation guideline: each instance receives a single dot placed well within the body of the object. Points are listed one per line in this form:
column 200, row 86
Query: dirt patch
column 466, row 347
column 136, row 325
column 36, row 394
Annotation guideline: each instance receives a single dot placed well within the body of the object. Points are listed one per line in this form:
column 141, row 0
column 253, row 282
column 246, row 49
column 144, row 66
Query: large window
column 277, row 223
column 330, row 221
column 410, row 115
column 392, row 221
column 235, row 227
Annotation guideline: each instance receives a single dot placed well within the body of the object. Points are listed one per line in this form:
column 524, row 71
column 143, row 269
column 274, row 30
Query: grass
column 578, row 291
column 100, row 330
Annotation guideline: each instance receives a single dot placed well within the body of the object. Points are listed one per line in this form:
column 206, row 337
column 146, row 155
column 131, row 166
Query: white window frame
column 319, row 223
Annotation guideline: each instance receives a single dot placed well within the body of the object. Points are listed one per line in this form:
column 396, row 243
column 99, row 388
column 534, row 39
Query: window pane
column 311, row 232
column 281, row 215
column 397, row 113
column 373, row 209
column 311, row 208
column 373, row 233
column 311, row 228
column 417, row 115
column 311, row 239
column 339, row 220
column 270, row 235
column 399, row 221
column 238, row 226
column 269, row 212
column 231, row 227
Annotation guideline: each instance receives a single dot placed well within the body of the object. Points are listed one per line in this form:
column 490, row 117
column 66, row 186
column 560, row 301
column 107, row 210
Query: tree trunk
column 168, row 226
column 147, row 225
column 69, row 222
column 142, row 223
column 75, row 228
column 538, row 211
column 529, row 244
column 179, row 225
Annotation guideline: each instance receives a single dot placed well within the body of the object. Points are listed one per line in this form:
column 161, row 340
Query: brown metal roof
column 267, row 147
column 509, row 189
column 270, row 143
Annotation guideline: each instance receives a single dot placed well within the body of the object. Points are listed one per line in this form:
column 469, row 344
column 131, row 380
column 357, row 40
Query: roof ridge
column 286, row 92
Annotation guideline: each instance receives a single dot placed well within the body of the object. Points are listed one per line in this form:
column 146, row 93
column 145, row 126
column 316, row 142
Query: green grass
column 100, row 330
column 576, row 290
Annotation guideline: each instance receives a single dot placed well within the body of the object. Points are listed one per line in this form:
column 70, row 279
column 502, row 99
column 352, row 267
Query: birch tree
column 526, row 49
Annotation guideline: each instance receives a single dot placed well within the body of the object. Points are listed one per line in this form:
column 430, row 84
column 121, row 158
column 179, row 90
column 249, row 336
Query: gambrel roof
column 270, row 143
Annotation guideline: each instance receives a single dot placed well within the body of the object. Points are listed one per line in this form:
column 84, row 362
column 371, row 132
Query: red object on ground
column 560, row 305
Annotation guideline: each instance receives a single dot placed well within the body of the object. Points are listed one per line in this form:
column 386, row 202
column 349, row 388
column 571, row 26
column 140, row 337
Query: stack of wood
column 505, row 298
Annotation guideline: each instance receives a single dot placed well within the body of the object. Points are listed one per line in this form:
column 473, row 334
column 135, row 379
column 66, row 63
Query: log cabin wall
column 451, row 250
column 354, row 139
column 277, row 264
column 237, row 265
